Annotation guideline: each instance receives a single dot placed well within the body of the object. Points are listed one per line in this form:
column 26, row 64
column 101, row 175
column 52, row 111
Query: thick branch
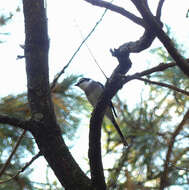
column 143, row 43
column 117, row 9
column 164, row 176
column 154, row 24
column 15, row 122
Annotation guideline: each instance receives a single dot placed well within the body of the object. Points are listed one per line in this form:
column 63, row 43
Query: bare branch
column 160, row 67
column 164, row 85
column 23, row 169
column 119, row 10
column 15, row 122
column 164, row 175
column 12, row 154
column 156, row 27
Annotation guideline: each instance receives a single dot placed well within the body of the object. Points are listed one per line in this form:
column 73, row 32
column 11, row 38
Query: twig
column 24, row 168
column 90, row 52
column 119, row 10
column 20, row 57
column 77, row 50
column 11, row 155
column 178, row 168
column 164, row 175
column 164, row 85
column 14, row 122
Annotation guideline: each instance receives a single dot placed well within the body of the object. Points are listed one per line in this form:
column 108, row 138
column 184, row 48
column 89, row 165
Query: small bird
column 93, row 90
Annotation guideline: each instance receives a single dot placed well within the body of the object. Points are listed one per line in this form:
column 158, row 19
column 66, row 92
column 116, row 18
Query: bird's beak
column 76, row 84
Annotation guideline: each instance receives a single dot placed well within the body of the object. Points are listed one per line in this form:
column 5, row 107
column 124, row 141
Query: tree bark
column 44, row 126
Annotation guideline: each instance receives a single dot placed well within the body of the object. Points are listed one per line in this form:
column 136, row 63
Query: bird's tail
column 119, row 132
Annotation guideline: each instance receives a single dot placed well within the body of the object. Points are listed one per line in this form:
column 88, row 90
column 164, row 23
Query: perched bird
column 93, row 90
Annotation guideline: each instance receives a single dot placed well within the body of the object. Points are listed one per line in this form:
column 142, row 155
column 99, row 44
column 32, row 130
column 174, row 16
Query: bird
column 93, row 89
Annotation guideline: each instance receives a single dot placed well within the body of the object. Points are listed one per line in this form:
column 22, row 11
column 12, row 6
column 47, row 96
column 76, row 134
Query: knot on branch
column 123, row 58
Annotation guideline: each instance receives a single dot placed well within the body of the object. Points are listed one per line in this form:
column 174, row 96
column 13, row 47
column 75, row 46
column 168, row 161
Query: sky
column 66, row 21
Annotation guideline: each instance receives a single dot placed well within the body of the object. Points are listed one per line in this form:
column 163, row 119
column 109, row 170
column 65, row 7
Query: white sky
column 63, row 16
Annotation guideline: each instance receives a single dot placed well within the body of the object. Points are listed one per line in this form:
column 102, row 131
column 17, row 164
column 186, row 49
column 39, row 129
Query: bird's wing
column 102, row 86
column 110, row 104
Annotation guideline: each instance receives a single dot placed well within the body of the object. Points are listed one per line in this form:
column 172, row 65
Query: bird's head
column 83, row 83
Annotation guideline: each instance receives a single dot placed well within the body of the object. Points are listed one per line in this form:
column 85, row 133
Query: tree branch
column 12, row 154
column 143, row 43
column 15, row 122
column 159, row 8
column 164, row 85
column 154, row 24
column 23, row 169
column 164, row 176
column 160, row 67
column 119, row 10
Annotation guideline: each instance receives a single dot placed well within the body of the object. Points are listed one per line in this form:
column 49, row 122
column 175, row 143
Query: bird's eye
column 83, row 79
